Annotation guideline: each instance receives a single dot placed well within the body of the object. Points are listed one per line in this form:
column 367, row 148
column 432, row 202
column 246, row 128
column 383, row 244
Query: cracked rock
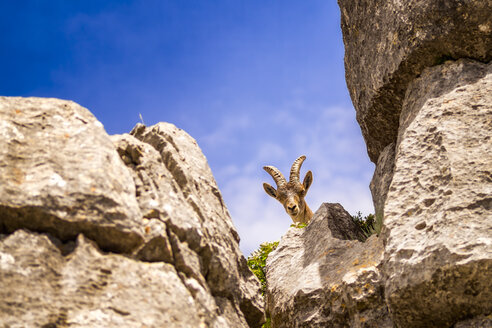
column 60, row 174
column 128, row 230
column 317, row 279
column 438, row 243
column 389, row 43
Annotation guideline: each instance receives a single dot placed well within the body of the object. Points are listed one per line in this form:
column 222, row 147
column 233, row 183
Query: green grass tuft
column 257, row 262
column 369, row 224
column 298, row 225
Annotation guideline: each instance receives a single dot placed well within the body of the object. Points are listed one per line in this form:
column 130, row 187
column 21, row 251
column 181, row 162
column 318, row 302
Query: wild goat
column 291, row 194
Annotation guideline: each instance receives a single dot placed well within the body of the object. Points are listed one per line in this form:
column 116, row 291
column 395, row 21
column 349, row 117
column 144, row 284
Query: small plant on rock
column 367, row 224
column 257, row 262
column 298, row 225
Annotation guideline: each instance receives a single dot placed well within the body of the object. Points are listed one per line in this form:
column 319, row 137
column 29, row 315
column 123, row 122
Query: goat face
column 291, row 194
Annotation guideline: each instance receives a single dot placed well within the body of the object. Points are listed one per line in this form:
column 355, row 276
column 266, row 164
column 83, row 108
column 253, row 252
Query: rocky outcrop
column 318, row 278
column 420, row 78
column 60, row 174
column 389, row 43
column 123, row 231
column 438, row 210
column 209, row 232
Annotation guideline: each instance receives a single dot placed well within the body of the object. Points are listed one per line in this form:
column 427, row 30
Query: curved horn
column 296, row 167
column 276, row 175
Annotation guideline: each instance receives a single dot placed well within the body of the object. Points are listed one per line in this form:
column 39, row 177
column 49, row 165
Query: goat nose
column 293, row 207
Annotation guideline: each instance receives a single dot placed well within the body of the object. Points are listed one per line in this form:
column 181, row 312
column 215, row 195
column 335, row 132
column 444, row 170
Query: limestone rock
column 438, row 211
column 418, row 78
column 60, row 174
column 43, row 288
column 156, row 194
column 206, row 235
column 389, row 43
column 317, row 280
column 149, row 200
column 340, row 222
column 381, row 180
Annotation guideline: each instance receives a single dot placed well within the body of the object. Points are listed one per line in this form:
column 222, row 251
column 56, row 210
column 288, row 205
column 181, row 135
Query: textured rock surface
column 389, row 43
column 438, row 212
column 43, row 288
column 381, row 180
column 317, row 280
column 153, row 204
column 478, row 322
column 340, row 222
column 418, row 76
column 60, row 173
column 205, row 241
column 434, row 185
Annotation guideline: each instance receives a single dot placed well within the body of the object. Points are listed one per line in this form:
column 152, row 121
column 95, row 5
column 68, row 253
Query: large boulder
column 438, row 211
column 389, row 43
column 61, row 174
column 129, row 230
column 319, row 278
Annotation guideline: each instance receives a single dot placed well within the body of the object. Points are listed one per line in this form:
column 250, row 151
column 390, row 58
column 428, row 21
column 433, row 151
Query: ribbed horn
column 276, row 175
column 296, row 167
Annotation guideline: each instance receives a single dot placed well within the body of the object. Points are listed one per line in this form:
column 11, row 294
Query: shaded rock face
column 340, row 222
column 317, row 278
column 438, row 209
column 381, row 180
column 128, row 230
column 389, row 43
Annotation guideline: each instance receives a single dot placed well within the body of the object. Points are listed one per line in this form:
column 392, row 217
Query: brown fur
column 291, row 194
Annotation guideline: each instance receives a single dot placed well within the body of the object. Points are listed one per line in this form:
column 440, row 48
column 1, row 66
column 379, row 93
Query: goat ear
column 270, row 190
column 308, row 179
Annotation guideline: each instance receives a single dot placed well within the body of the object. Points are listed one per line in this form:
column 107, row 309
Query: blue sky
column 254, row 82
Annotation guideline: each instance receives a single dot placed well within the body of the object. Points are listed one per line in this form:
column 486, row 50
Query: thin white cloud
column 336, row 155
column 226, row 133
